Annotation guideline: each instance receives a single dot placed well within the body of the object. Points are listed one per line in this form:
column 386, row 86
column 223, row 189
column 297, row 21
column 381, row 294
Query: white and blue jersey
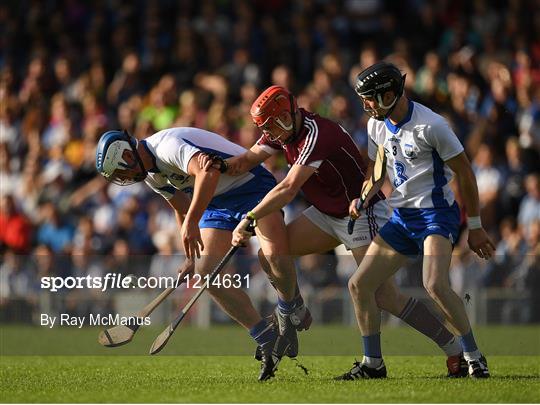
column 172, row 150
column 416, row 149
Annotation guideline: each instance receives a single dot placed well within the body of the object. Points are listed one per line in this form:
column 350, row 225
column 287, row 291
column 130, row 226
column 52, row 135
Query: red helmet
column 272, row 103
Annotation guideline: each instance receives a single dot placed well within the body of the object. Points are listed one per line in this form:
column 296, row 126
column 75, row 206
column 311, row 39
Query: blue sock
column 286, row 307
column 468, row 343
column 372, row 345
column 262, row 332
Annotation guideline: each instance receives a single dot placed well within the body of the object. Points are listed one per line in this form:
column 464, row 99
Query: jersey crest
column 399, row 170
column 409, row 151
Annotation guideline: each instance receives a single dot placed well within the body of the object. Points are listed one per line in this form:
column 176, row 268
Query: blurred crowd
column 69, row 70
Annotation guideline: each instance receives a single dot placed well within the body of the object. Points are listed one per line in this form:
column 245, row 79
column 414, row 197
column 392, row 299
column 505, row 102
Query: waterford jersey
column 172, row 150
column 326, row 146
column 416, row 150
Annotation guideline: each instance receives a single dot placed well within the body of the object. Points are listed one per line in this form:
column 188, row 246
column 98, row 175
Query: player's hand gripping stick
column 373, row 185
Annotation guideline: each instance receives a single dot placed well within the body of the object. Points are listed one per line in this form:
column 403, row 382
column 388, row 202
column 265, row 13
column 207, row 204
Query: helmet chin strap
column 292, row 126
column 393, row 104
column 294, row 135
column 389, row 107
column 144, row 172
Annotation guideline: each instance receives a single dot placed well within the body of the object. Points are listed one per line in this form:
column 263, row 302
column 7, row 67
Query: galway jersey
column 326, row 146
column 172, row 150
column 416, row 149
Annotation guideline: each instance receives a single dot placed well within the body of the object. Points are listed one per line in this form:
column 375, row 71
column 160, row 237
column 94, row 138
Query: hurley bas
column 93, row 320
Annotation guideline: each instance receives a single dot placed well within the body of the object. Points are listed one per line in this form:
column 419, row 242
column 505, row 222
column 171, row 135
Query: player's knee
column 353, row 287
column 357, row 287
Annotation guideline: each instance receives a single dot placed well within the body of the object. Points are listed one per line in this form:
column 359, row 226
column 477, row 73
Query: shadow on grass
column 441, row 378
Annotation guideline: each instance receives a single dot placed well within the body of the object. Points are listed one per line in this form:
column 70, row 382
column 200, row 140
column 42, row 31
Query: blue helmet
column 110, row 159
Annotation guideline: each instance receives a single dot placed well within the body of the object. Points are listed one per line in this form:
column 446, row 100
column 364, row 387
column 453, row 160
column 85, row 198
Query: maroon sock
column 417, row 315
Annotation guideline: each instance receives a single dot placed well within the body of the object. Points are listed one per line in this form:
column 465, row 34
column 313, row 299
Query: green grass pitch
column 66, row 365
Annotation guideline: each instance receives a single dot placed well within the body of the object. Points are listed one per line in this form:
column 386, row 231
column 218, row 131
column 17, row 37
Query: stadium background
column 71, row 69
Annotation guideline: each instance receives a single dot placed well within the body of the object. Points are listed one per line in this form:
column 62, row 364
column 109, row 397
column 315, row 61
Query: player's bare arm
column 479, row 241
column 180, row 204
column 236, row 165
column 285, row 191
column 244, row 163
column 277, row 198
column 203, row 191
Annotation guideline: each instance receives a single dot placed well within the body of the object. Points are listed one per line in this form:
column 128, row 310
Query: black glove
column 223, row 166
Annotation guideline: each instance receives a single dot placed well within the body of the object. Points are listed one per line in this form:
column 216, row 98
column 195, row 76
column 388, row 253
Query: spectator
column 127, row 81
column 462, row 109
column 161, row 110
column 17, row 294
column 525, row 279
column 490, row 181
column 165, row 263
column 529, row 209
column 202, row 65
column 15, row 229
column 466, row 271
column 430, row 82
column 511, row 251
column 86, row 237
column 53, row 231
column 318, row 276
column 516, row 171
column 63, row 72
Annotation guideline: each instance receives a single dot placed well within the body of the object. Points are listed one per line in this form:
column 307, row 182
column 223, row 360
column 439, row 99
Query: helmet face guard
column 374, row 82
column 117, row 158
column 269, row 109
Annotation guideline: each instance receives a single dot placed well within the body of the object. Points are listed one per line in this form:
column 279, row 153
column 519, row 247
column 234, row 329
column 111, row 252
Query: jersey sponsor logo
column 359, row 238
column 394, row 139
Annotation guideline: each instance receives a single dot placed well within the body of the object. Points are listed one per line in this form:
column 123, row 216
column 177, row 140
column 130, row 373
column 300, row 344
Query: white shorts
column 365, row 228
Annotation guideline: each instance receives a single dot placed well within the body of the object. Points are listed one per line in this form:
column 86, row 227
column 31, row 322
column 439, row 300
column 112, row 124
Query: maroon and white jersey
column 326, row 146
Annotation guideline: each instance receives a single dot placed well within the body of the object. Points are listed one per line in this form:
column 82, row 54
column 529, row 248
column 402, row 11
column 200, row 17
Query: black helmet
column 377, row 80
